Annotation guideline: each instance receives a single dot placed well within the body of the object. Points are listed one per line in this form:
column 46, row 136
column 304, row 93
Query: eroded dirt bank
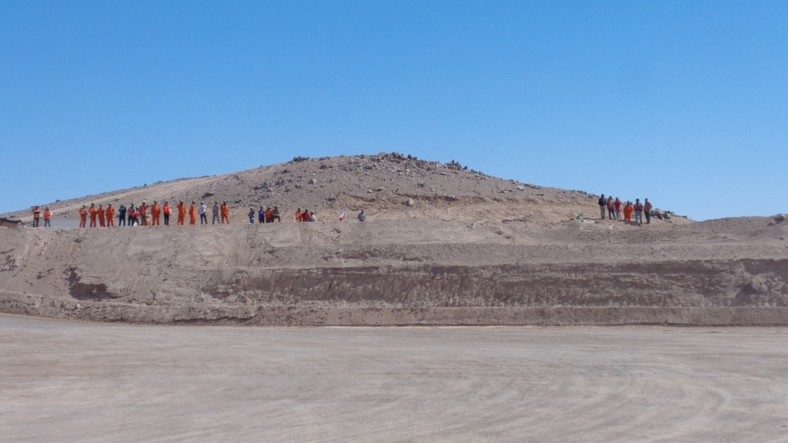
column 401, row 272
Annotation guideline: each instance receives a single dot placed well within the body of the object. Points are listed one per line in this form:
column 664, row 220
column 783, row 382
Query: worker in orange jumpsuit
column 628, row 210
column 110, row 213
column 225, row 210
column 83, row 216
column 167, row 211
column 93, row 214
column 155, row 213
column 181, row 213
column 192, row 214
column 298, row 216
column 101, row 214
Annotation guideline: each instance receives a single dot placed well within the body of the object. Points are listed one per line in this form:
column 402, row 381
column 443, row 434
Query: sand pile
column 443, row 245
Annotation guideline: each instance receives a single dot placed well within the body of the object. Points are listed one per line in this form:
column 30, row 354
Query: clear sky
column 684, row 102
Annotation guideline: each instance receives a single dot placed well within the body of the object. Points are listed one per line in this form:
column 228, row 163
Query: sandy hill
column 390, row 186
column 443, row 246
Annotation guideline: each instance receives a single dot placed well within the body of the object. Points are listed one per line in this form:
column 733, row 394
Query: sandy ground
column 71, row 381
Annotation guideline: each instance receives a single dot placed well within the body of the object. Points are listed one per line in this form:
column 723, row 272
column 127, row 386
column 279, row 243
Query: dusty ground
column 83, row 382
column 442, row 246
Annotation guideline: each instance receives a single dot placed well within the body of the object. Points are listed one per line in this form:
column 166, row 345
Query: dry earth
column 83, row 382
column 442, row 246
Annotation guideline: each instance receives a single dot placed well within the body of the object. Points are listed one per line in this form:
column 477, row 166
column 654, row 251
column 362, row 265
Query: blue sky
column 684, row 102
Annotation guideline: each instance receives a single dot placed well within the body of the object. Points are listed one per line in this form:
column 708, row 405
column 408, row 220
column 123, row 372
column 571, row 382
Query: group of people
column 614, row 209
column 151, row 215
column 37, row 217
column 265, row 215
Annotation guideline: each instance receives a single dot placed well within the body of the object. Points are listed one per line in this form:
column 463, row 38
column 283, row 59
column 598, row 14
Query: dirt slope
column 393, row 271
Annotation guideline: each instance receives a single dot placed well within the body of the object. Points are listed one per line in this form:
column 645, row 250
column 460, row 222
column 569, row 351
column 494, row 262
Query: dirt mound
column 390, row 186
column 403, row 271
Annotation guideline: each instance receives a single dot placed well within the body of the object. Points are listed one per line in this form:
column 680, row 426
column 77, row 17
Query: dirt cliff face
column 397, row 271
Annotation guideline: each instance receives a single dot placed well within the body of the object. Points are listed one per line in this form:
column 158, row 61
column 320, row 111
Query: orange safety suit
column 93, row 214
column 110, row 212
column 192, row 214
column 225, row 210
column 298, row 216
column 101, row 214
column 47, row 214
column 181, row 213
column 83, row 217
column 628, row 209
column 156, row 213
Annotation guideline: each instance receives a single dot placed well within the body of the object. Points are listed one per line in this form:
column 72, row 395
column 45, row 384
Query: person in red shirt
column 167, row 211
column 36, row 216
column 47, row 217
column 298, row 216
column 132, row 215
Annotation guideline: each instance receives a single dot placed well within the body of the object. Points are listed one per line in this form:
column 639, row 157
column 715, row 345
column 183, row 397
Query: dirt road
column 64, row 381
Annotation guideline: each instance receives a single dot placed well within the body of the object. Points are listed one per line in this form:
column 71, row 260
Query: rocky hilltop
column 390, row 186
column 443, row 245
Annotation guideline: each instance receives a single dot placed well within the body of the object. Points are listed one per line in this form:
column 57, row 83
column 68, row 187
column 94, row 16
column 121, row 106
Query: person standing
column 261, row 215
column 602, row 206
column 628, row 209
column 36, row 216
column 122, row 215
column 192, row 214
column 203, row 213
column 215, row 211
column 101, row 215
column 47, row 217
column 110, row 216
column 611, row 208
column 225, row 210
column 93, row 215
column 638, row 211
column 647, row 208
column 617, row 205
column 155, row 214
column 251, row 214
column 132, row 214
column 142, row 213
column 83, row 216
column 181, row 213
column 167, row 210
